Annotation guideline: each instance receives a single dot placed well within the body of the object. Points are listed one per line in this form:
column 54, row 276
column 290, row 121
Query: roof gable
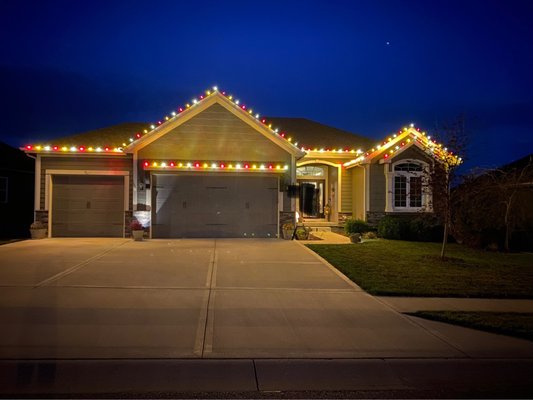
column 227, row 102
column 397, row 143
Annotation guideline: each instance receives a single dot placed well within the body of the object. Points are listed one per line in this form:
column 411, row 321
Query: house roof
column 309, row 134
column 297, row 135
column 314, row 135
column 112, row 136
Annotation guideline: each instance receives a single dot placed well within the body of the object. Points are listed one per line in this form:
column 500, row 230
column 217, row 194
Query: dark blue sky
column 69, row 66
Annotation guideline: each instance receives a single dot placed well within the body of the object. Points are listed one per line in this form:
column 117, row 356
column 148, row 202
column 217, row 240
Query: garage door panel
column 215, row 206
column 87, row 206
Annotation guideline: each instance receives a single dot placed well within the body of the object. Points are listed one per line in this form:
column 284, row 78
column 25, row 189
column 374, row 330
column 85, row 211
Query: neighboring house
column 16, row 192
column 215, row 168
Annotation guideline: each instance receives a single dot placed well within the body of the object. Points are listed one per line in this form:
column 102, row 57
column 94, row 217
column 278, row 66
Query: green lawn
column 398, row 268
column 512, row 324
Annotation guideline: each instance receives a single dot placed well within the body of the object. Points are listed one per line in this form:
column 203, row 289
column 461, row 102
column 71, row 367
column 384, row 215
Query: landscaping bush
column 422, row 228
column 356, row 226
column 390, row 227
column 425, row 228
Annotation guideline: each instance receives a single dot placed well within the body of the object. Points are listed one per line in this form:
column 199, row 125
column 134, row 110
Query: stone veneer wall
column 42, row 216
column 373, row 217
column 343, row 216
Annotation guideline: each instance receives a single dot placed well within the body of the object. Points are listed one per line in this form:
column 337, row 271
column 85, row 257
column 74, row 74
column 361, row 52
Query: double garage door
column 87, row 206
column 214, row 206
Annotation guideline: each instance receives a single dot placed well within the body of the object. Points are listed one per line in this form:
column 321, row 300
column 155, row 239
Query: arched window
column 311, row 171
column 408, row 182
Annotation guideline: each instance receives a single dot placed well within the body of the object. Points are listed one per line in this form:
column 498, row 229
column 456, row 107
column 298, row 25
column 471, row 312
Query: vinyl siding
column 346, row 190
column 85, row 163
column 215, row 135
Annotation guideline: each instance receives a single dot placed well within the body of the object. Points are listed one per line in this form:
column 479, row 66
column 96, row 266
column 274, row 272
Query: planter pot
column 137, row 235
column 287, row 233
column 302, row 233
column 38, row 233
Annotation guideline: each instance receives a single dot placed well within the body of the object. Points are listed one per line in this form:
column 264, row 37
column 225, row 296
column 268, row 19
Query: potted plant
column 302, row 232
column 287, row 230
column 38, row 230
column 137, row 230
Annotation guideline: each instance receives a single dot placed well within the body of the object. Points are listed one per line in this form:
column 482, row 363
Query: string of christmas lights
column 219, row 165
column 390, row 146
column 434, row 147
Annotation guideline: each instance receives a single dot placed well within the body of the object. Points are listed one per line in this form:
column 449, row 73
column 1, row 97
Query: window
column 408, row 186
column 311, row 171
column 400, row 191
column 3, row 189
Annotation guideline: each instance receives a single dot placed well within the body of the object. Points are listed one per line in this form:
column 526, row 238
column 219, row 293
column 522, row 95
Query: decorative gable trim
column 401, row 141
column 202, row 105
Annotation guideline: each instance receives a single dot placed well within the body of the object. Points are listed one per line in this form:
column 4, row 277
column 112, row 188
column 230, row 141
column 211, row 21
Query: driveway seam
column 76, row 267
column 209, row 318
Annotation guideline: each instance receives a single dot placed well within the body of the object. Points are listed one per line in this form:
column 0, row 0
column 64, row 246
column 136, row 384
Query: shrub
column 390, row 227
column 356, row 226
column 425, row 228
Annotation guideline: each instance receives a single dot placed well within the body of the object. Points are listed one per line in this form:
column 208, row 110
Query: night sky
column 369, row 67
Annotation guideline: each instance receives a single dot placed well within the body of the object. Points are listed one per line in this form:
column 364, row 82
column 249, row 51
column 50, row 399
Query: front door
column 312, row 198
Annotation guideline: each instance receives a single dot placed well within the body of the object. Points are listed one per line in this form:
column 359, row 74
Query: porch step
column 320, row 228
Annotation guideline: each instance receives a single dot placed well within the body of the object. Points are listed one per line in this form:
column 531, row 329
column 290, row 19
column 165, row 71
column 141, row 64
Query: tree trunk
column 507, row 222
column 444, row 241
column 447, row 216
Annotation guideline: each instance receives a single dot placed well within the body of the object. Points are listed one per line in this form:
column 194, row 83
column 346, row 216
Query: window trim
column 424, row 207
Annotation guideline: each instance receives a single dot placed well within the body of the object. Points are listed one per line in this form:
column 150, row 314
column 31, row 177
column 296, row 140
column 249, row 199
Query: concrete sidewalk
column 390, row 378
column 413, row 304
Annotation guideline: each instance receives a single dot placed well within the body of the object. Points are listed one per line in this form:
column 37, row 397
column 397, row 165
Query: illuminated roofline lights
column 409, row 134
column 240, row 166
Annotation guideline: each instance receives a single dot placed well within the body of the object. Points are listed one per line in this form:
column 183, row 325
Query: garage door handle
column 247, row 205
column 184, row 204
column 88, row 204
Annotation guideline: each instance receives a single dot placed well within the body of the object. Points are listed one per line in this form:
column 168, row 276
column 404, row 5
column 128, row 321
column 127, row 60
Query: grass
column 512, row 324
column 399, row 268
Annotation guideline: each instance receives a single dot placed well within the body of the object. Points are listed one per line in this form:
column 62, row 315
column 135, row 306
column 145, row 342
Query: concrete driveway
column 224, row 298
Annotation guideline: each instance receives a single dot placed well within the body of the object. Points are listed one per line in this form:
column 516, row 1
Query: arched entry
column 313, row 200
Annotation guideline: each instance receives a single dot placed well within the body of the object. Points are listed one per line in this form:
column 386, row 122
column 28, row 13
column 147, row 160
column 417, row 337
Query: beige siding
column 412, row 152
column 215, row 134
column 358, row 193
column 377, row 188
column 346, row 190
column 85, row 163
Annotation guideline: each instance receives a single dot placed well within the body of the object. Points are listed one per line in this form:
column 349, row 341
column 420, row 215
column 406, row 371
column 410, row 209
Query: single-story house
column 217, row 168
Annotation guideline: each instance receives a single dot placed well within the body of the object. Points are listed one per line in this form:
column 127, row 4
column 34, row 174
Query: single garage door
column 87, row 206
column 214, row 206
